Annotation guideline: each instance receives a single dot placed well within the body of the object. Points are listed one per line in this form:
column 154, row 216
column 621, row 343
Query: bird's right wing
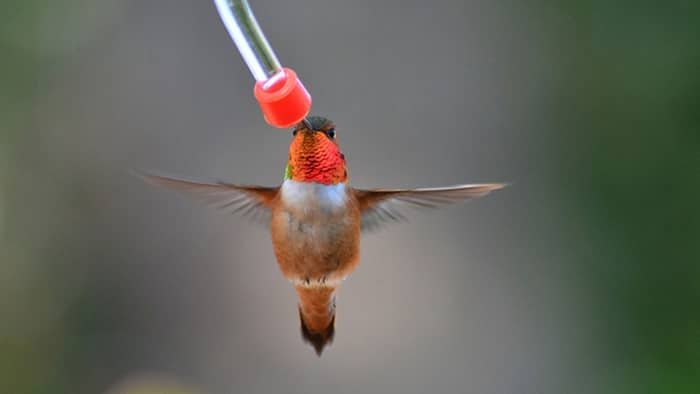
column 381, row 206
column 251, row 201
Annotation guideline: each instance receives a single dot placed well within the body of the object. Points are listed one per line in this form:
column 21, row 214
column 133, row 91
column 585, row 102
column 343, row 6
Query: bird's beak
column 307, row 124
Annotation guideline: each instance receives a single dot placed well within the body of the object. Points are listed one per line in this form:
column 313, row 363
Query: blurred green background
column 582, row 277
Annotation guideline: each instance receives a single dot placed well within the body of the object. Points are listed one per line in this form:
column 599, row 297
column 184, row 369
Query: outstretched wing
column 250, row 201
column 381, row 206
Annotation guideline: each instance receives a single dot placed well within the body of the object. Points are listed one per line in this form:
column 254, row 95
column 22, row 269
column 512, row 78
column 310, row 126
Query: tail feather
column 317, row 315
column 319, row 340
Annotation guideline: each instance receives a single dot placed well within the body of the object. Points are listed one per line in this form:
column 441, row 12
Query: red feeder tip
column 283, row 99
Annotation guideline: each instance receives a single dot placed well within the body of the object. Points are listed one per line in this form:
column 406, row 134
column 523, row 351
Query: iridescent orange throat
column 314, row 157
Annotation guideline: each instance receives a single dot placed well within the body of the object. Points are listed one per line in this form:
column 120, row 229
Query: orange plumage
column 313, row 157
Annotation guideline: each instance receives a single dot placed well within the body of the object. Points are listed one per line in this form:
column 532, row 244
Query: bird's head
column 314, row 154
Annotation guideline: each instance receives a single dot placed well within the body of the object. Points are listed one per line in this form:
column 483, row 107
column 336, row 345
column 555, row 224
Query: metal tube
column 249, row 38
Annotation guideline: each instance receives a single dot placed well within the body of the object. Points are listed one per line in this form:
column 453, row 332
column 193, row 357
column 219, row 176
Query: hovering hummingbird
column 316, row 217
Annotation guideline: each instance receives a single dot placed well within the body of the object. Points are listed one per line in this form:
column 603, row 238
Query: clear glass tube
column 249, row 38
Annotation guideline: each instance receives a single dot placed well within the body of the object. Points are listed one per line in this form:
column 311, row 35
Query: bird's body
column 316, row 218
column 315, row 232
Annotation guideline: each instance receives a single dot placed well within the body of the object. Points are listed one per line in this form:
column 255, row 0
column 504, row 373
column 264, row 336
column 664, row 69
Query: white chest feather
column 309, row 197
column 313, row 233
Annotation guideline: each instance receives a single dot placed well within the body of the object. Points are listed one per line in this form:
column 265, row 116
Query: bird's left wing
column 381, row 206
column 251, row 201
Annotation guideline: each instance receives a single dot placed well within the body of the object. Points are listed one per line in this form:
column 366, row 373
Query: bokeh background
column 582, row 277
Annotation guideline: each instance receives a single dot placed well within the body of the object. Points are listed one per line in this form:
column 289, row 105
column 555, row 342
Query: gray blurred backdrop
column 581, row 277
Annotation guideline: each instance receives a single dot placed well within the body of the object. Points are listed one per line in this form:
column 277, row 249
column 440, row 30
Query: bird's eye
column 295, row 131
column 330, row 133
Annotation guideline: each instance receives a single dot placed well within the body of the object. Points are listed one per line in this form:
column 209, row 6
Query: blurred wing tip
column 482, row 188
column 465, row 190
column 487, row 186
column 494, row 186
column 171, row 181
column 148, row 174
column 149, row 177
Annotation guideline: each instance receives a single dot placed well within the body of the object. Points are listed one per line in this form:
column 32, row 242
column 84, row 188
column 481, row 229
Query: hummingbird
column 316, row 218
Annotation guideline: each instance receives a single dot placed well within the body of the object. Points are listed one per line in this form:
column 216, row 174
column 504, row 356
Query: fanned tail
column 317, row 315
